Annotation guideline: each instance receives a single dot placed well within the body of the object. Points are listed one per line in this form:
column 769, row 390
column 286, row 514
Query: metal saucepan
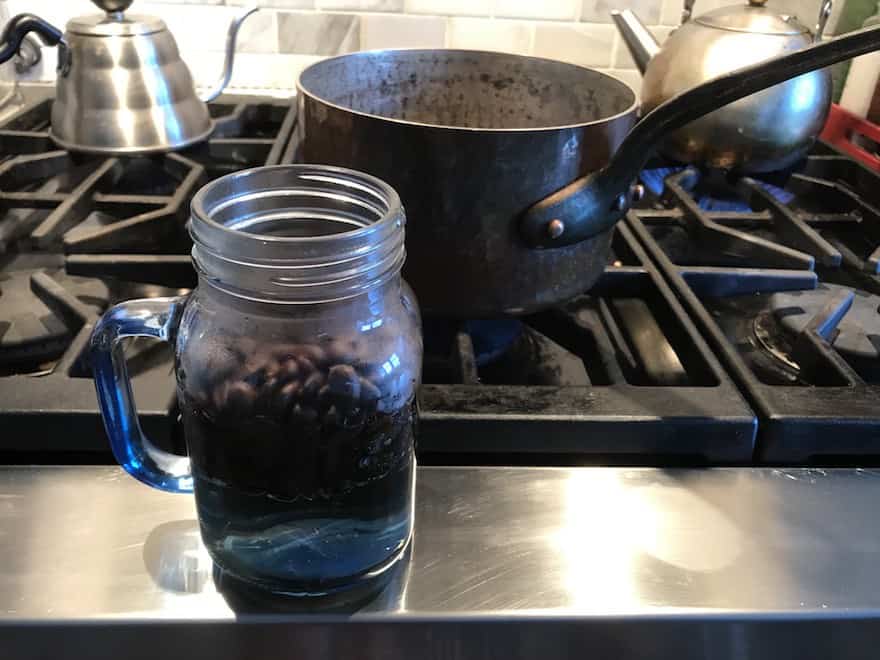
column 486, row 151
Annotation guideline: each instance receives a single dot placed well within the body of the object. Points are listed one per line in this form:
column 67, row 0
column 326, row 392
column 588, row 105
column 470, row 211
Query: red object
column 842, row 127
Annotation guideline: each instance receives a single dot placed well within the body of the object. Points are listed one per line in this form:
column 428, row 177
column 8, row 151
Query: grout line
column 615, row 47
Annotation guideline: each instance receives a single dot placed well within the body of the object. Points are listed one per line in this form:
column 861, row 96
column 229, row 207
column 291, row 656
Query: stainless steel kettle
column 121, row 85
column 767, row 131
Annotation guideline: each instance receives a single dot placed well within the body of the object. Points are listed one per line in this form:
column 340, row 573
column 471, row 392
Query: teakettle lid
column 754, row 18
column 109, row 25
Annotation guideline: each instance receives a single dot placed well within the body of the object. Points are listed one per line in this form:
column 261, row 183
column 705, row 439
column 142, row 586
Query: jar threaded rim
column 297, row 233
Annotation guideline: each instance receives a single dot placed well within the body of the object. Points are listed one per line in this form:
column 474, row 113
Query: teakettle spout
column 231, row 37
column 638, row 39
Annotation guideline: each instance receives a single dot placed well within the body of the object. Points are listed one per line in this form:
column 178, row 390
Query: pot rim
column 302, row 92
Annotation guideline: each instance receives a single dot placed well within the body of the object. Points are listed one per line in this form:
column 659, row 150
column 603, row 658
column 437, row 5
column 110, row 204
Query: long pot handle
column 594, row 203
column 18, row 27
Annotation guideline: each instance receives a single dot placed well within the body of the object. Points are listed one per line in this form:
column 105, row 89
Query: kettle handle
column 594, row 203
column 824, row 15
column 19, row 26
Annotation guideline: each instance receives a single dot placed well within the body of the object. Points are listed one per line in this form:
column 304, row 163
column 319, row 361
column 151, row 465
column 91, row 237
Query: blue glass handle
column 152, row 317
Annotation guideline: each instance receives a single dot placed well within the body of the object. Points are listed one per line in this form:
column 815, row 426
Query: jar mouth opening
column 218, row 204
column 297, row 233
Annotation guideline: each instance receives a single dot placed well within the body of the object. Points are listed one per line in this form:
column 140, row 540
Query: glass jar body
column 300, row 426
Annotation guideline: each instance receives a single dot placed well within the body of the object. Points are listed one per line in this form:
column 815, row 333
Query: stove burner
column 490, row 338
column 857, row 335
column 711, row 190
column 40, row 313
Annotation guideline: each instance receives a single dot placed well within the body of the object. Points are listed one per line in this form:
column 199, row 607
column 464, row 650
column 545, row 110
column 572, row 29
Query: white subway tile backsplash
column 449, row 7
column 394, row 31
column 270, row 4
column 560, row 10
column 184, row 2
column 274, row 4
column 361, row 5
column 318, row 34
column 490, row 34
column 258, row 34
column 670, row 12
column 287, row 35
column 622, row 58
column 252, row 70
column 587, row 45
column 599, row 11
column 57, row 13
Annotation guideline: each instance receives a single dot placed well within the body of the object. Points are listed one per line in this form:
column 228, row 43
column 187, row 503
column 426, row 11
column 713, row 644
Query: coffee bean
column 221, row 363
column 282, row 400
column 306, row 366
column 315, row 354
column 288, row 370
column 313, row 384
column 370, row 394
column 258, row 377
column 240, row 399
column 345, row 351
column 343, row 382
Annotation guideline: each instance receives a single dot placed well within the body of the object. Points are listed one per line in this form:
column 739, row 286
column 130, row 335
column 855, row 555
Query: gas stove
column 736, row 321
column 78, row 234
column 783, row 279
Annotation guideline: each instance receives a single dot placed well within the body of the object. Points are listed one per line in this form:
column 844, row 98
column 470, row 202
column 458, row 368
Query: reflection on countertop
column 539, row 547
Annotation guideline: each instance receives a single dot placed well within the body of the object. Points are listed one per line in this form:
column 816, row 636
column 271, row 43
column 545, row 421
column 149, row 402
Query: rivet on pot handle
column 593, row 204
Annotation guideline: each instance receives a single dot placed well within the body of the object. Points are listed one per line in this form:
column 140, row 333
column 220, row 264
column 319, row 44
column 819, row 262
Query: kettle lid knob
column 113, row 6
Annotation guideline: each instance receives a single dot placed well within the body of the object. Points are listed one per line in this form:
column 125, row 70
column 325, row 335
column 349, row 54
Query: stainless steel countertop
column 506, row 562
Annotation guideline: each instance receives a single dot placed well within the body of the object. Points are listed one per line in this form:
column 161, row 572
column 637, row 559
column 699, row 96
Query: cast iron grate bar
column 813, row 352
column 171, row 270
column 77, row 205
column 286, row 129
column 465, row 359
column 720, row 281
column 790, row 228
column 673, row 214
column 24, row 170
column 145, row 229
column 751, row 250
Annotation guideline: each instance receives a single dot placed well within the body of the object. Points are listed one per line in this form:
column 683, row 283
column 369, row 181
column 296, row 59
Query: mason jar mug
column 297, row 360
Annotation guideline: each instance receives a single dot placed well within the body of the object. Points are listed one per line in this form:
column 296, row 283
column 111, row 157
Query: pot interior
column 467, row 89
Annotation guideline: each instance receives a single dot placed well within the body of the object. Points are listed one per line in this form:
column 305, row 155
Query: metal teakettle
column 121, row 86
column 766, row 131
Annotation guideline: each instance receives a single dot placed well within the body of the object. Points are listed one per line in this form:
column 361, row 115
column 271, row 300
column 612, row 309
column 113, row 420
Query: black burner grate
column 618, row 376
column 78, row 233
column 782, row 292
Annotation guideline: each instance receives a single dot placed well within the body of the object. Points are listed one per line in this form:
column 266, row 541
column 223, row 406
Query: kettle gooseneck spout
column 229, row 59
column 638, row 39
